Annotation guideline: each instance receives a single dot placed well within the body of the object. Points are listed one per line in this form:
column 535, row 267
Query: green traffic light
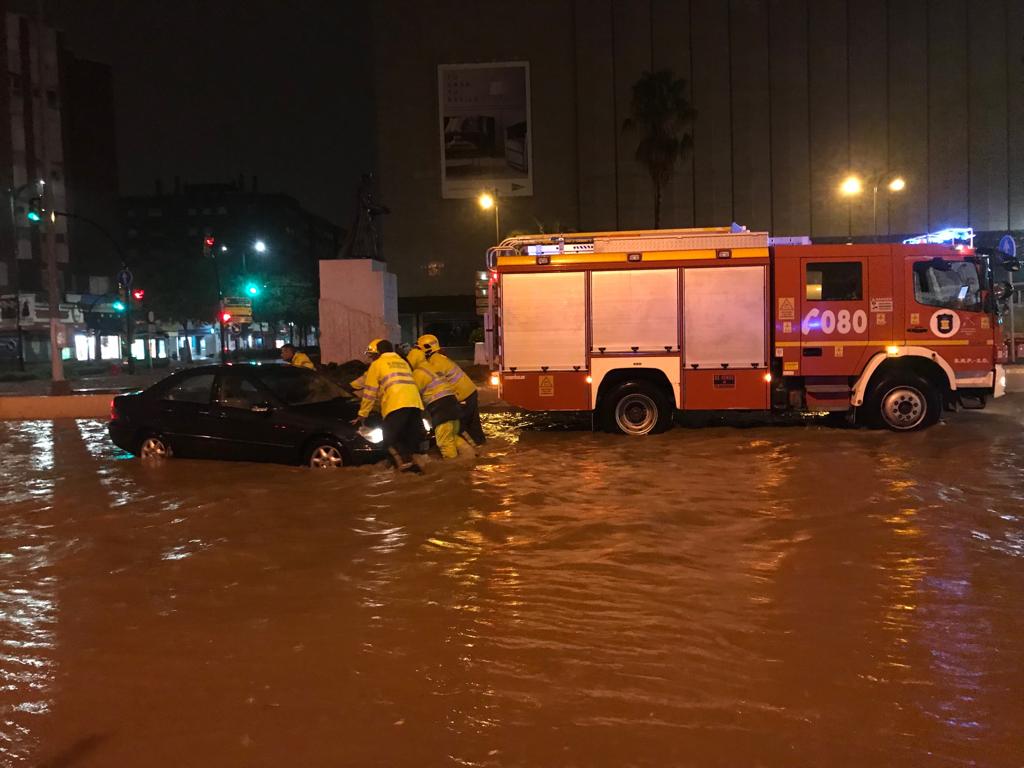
column 252, row 289
column 34, row 216
column 119, row 306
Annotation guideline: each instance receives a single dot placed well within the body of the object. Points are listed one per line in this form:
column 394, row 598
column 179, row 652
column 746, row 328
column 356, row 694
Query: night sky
column 209, row 90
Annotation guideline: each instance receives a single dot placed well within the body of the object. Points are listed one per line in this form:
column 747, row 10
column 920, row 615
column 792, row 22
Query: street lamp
column 852, row 186
column 488, row 201
column 259, row 246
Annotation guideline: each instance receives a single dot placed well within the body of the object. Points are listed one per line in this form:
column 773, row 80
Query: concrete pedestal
column 358, row 302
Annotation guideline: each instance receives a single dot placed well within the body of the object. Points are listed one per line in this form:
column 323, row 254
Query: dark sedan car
column 255, row 413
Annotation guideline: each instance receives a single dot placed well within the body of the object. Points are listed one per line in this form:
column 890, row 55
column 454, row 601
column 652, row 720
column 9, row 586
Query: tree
column 180, row 287
column 661, row 112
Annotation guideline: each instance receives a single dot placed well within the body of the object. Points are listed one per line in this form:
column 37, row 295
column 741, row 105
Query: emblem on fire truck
column 945, row 322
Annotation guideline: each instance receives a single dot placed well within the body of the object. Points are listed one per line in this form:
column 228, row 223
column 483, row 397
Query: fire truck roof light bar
column 950, row 235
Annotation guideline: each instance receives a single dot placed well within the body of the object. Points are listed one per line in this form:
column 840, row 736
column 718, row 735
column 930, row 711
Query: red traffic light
column 209, row 241
column 225, row 317
column 139, row 294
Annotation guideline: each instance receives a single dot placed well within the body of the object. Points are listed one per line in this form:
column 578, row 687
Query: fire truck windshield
column 951, row 284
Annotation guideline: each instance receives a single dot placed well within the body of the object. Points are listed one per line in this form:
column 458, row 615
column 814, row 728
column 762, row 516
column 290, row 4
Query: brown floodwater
column 727, row 596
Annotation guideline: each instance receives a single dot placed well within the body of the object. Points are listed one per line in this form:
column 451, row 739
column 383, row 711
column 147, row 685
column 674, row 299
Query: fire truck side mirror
column 1002, row 291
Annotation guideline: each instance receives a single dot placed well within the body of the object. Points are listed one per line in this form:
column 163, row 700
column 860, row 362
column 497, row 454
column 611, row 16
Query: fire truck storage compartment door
column 543, row 321
column 635, row 308
column 724, row 316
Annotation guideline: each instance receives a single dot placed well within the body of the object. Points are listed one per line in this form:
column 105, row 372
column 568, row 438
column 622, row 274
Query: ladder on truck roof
column 629, row 241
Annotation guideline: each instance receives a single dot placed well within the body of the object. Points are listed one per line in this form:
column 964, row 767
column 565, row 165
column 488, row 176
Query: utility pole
column 13, row 195
column 58, row 385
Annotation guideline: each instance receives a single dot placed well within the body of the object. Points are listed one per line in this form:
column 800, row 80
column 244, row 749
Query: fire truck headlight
column 494, row 380
column 768, row 377
column 892, row 351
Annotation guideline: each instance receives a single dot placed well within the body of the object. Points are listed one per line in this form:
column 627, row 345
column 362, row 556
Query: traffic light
column 139, row 294
column 252, row 289
column 35, row 210
column 119, row 306
column 208, row 243
column 225, row 317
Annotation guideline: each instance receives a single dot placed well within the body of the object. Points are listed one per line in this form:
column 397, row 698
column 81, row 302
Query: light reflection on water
column 723, row 596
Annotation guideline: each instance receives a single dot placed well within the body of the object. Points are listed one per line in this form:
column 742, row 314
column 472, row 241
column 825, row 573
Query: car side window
column 238, row 392
column 194, row 389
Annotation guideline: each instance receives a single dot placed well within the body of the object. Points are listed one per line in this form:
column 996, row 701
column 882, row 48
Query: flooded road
column 764, row 596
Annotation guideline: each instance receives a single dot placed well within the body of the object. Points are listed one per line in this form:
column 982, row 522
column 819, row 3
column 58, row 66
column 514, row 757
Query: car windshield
column 951, row 284
column 298, row 386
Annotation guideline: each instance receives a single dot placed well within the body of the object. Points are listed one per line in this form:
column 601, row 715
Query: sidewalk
column 90, row 384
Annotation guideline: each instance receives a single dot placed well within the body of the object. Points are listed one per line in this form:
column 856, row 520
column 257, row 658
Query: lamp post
column 852, row 186
column 488, row 201
column 259, row 247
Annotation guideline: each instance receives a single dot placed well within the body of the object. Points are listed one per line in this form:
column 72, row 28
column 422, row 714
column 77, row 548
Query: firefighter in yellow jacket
column 390, row 383
column 465, row 389
column 292, row 356
column 442, row 405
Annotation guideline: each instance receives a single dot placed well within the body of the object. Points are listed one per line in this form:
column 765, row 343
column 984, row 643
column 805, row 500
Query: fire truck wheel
column 903, row 403
column 636, row 408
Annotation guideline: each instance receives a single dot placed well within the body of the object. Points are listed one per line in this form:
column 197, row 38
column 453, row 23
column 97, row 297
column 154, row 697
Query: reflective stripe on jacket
column 432, row 386
column 444, row 366
column 389, row 381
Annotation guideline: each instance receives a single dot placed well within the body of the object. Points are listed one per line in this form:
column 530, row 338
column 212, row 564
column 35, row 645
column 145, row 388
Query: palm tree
column 663, row 114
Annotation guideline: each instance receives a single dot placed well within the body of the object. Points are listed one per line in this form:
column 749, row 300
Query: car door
column 185, row 417
column 251, row 424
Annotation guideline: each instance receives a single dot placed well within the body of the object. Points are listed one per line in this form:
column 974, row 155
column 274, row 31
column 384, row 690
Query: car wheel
column 636, row 408
column 904, row 404
column 325, row 454
column 154, row 448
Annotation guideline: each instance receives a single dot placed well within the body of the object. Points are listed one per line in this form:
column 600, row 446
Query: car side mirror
column 260, row 408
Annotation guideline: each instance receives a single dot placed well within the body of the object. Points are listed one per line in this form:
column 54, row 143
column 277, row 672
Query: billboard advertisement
column 486, row 139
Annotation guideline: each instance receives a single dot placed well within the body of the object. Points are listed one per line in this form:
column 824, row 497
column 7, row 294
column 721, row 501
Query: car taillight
column 113, row 411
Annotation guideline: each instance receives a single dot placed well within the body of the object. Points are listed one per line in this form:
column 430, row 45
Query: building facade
column 263, row 240
column 55, row 99
column 791, row 96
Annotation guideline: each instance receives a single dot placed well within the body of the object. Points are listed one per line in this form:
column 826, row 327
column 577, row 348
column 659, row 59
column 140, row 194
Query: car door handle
column 917, row 329
column 812, row 351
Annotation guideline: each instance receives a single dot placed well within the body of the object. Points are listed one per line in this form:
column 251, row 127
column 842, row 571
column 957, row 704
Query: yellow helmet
column 415, row 357
column 371, row 348
column 428, row 343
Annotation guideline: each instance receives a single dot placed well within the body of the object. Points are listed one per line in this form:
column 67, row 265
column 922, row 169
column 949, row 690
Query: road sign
column 1008, row 245
column 124, row 278
column 238, row 306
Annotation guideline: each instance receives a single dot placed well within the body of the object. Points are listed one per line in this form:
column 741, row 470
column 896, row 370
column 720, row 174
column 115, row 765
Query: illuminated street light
column 259, row 246
column 851, row 186
column 223, row 249
column 488, row 201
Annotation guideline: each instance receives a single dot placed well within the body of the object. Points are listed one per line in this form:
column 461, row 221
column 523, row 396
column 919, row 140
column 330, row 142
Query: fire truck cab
column 636, row 325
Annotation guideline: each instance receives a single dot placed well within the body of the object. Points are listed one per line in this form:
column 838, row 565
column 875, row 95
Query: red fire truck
column 636, row 325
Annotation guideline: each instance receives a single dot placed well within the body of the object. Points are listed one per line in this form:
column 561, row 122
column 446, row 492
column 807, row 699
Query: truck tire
column 636, row 408
column 903, row 402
